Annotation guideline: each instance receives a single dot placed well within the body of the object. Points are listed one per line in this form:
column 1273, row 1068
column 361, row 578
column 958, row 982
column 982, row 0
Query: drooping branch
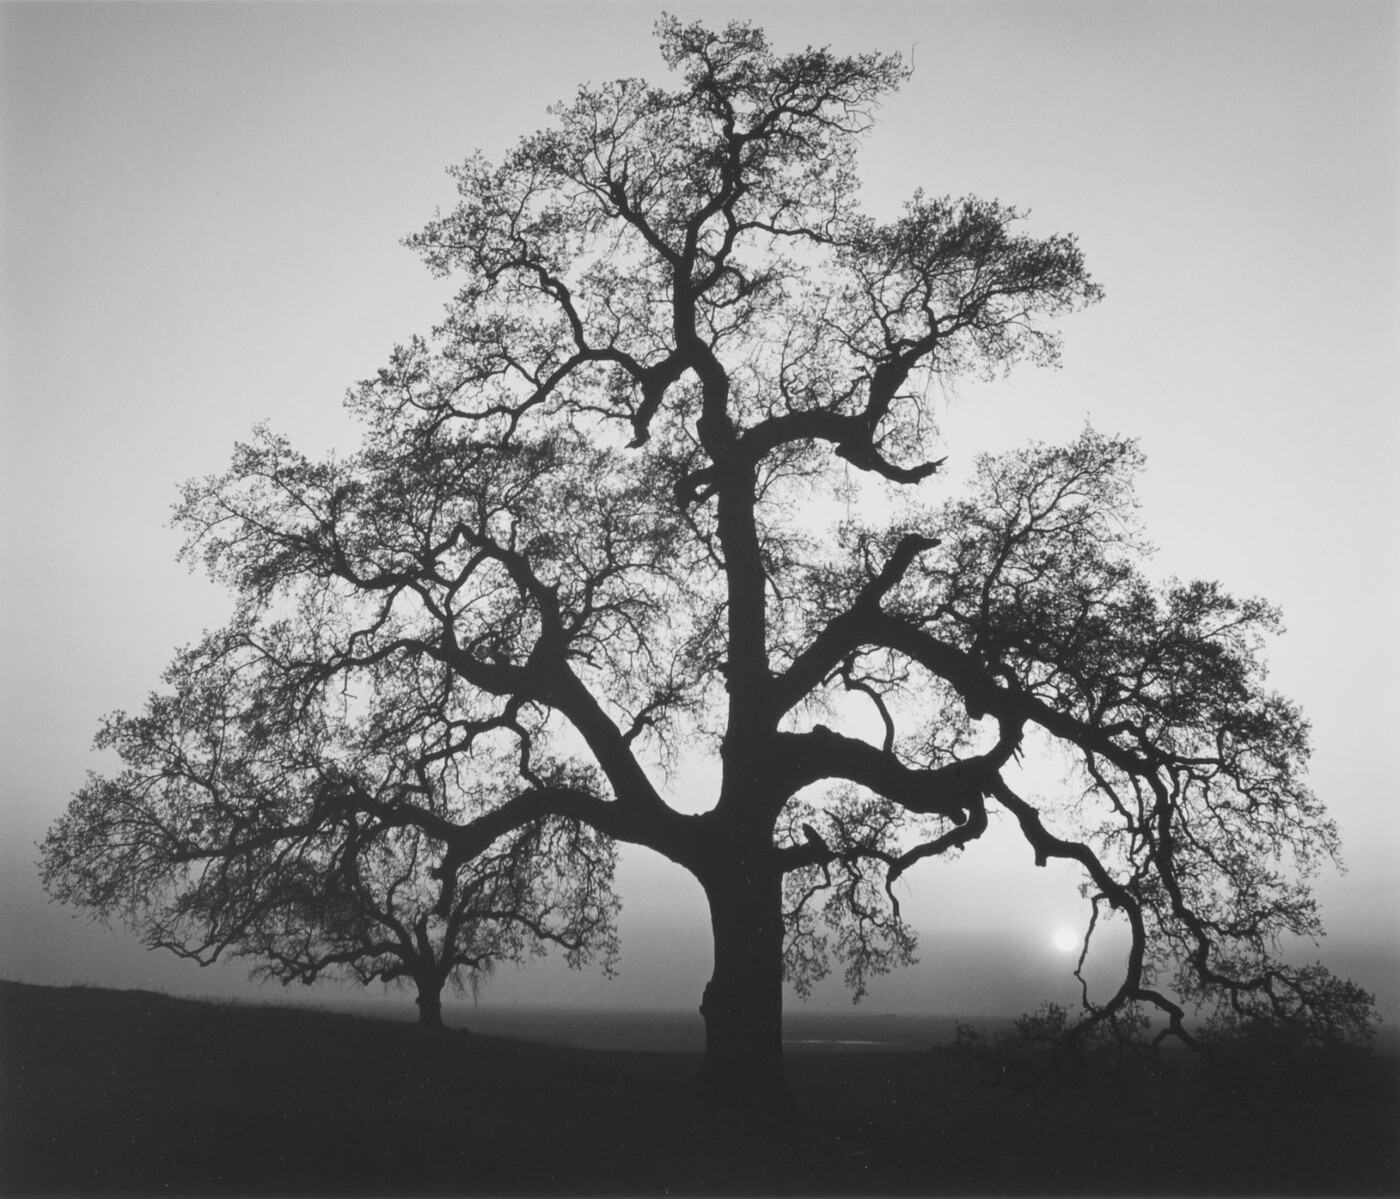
column 1046, row 845
column 955, row 838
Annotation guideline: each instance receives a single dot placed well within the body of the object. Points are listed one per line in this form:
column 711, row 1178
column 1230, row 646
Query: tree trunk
column 743, row 1002
column 429, row 1002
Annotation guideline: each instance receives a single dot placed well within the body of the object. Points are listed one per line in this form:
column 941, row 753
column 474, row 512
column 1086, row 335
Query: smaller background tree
column 236, row 830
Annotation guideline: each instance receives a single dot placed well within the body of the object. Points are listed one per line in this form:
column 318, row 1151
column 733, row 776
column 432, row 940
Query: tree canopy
column 665, row 479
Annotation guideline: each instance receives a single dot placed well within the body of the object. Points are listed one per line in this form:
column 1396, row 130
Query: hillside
column 134, row 1093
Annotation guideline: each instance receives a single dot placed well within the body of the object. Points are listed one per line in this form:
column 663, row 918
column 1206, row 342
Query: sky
column 203, row 207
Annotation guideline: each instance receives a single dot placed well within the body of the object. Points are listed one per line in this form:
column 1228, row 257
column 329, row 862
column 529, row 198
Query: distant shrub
column 1044, row 1048
column 1249, row 1056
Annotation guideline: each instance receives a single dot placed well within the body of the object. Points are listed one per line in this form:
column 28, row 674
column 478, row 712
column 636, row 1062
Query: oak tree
column 664, row 482
column 243, row 827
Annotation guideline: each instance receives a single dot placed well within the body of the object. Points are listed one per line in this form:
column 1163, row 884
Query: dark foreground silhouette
column 134, row 1093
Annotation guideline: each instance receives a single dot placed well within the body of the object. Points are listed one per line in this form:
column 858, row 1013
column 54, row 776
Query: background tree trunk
column 743, row 1001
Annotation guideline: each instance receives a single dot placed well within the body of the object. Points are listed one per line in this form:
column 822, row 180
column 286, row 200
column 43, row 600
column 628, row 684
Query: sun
column 1065, row 939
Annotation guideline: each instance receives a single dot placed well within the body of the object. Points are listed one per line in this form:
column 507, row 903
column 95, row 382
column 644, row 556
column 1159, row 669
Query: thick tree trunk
column 429, row 1003
column 743, row 1002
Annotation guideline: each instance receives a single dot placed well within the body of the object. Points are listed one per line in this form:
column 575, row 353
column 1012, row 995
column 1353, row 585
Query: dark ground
column 133, row 1093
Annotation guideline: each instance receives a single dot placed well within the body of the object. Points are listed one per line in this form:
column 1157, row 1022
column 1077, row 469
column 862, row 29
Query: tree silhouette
column 660, row 483
column 392, row 920
column 243, row 827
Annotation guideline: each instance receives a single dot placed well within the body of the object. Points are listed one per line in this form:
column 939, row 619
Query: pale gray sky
column 202, row 210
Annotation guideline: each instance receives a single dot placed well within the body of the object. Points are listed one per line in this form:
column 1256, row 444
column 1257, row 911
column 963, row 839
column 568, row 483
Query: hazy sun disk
column 1065, row 939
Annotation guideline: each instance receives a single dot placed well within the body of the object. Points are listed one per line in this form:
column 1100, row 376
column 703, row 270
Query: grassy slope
column 127, row 1092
